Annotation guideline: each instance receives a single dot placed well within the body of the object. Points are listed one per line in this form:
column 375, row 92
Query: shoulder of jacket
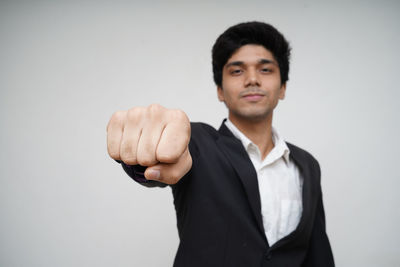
column 200, row 129
column 300, row 152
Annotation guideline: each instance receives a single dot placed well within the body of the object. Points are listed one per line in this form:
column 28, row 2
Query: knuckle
column 128, row 159
column 118, row 115
column 146, row 153
column 166, row 157
column 178, row 114
column 113, row 149
column 117, row 118
column 154, row 107
column 155, row 110
column 113, row 153
column 146, row 160
column 127, row 155
column 134, row 114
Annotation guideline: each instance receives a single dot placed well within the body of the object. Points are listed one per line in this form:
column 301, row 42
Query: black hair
column 254, row 32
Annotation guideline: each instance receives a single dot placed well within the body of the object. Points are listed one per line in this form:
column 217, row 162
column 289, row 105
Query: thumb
column 170, row 173
column 153, row 173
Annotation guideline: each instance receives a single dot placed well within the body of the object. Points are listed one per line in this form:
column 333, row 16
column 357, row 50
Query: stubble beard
column 251, row 115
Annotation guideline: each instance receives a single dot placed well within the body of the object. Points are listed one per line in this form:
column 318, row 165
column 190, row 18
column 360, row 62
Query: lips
column 253, row 97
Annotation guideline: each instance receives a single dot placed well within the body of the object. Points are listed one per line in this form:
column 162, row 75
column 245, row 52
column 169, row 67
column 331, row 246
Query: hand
column 152, row 136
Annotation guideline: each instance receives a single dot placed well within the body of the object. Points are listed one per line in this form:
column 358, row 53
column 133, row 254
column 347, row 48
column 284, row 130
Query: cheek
column 231, row 82
column 229, row 99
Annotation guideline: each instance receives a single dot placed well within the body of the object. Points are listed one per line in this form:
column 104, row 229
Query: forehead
column 251, row 53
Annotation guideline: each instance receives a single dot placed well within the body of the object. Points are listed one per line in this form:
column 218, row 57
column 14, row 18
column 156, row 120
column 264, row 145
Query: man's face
column 251, row 84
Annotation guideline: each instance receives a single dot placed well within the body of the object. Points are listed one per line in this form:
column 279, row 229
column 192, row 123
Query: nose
column 252, row 78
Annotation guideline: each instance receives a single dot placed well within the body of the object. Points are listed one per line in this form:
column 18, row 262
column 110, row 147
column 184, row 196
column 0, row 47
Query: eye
column 265, row 70
column 236, row 72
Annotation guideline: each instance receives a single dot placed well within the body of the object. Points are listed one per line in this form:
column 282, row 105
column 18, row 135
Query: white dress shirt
column 279, row 183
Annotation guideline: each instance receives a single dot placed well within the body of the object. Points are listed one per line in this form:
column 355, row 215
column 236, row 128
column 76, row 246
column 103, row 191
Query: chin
column 254, row 116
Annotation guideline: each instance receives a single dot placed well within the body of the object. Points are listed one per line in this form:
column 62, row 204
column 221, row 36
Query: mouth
column 253, row 97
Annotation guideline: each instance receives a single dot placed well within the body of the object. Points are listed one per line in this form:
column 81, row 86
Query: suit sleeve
column 319, row 252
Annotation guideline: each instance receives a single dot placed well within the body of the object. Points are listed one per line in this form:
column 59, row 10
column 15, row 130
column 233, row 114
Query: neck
column 259, row 132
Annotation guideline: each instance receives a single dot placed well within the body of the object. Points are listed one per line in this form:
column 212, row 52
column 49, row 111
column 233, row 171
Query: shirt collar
column 280, row 147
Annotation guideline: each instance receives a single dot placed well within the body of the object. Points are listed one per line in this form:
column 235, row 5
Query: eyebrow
column 241, row 63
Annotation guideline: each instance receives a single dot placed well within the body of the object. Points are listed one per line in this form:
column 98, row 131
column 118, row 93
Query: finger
column 114, row 134
column 131, row 135
column 148, row 142
column 170, row 173
column 174, row 139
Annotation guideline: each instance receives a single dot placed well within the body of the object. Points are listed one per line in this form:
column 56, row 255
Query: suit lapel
column 237, row 155
column 309, row 193
column 307, row 190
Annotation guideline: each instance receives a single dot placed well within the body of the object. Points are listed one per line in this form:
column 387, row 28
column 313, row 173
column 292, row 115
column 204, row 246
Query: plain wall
column 66, row 66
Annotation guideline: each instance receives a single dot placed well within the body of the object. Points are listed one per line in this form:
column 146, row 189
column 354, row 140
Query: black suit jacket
column 218, row 209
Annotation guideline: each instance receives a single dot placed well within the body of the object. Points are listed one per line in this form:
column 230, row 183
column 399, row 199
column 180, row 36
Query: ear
column 282, row 91
column 220, row 94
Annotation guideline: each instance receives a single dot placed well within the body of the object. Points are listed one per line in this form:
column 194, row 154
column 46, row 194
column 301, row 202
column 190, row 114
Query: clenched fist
column 152, row 136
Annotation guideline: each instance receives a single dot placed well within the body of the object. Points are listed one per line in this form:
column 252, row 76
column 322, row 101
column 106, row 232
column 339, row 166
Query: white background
column 66, row 66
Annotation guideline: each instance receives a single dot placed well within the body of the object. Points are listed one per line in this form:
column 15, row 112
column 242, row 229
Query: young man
column 243, row 196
